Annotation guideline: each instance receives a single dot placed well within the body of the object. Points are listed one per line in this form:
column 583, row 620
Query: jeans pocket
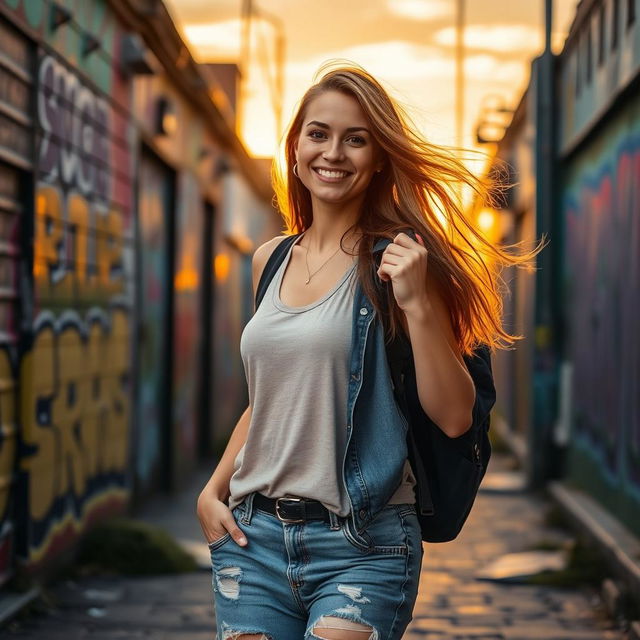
column 218, row 542
column 385, row 534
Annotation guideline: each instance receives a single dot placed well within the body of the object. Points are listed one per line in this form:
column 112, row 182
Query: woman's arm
column 445, row 387
column 218, row 485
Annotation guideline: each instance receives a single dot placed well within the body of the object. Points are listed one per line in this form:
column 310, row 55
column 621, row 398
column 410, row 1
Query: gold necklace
column 306, row 259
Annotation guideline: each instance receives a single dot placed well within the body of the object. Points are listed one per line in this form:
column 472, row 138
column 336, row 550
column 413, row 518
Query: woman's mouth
column 331, row 175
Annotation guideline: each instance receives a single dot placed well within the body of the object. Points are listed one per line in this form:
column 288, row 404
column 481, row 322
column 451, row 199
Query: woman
column 310, row 514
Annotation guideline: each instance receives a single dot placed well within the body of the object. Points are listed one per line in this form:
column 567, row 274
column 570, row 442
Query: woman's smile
column 331, row 175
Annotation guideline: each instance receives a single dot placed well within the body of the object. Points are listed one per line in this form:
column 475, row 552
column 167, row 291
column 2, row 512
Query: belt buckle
column 284, row 519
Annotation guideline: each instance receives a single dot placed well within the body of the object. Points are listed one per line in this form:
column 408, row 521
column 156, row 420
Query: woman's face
column 336, row 153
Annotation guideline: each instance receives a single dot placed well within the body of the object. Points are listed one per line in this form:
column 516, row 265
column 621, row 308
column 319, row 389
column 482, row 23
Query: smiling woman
column 311, row 513
column 335, row 158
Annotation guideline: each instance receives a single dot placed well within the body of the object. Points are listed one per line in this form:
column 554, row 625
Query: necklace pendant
column 308, row 280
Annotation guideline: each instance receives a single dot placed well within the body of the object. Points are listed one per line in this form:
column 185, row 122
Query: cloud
column 221, row 37
column 486, row 68
column 500, row 38
column 420, row 9
column 398, row 60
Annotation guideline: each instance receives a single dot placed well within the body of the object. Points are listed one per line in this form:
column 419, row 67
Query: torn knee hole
column 333, row 628
column 247, row 636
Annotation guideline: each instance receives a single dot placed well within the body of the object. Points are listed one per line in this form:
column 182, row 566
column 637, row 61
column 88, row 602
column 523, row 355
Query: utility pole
column 276, row 83
column 544, row 456
column 245, row 59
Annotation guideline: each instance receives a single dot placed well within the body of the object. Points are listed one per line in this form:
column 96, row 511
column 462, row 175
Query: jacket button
column 362, row 513
column 364, row 311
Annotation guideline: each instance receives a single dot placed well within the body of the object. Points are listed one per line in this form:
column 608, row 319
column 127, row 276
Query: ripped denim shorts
column 294, row 578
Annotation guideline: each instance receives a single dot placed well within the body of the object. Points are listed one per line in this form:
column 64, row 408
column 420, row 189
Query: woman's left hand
column 404, row 262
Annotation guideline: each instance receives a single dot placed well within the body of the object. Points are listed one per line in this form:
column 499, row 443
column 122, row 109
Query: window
column 615, row 19
column 631, row 12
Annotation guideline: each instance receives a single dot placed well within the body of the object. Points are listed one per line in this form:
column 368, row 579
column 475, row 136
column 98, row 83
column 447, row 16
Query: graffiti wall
column 73, row 366
column 109, row 255
column 602, row 304
column 16, row 162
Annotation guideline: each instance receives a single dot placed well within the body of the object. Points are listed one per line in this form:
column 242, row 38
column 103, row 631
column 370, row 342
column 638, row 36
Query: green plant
column 585, row 567
column 555, row 517
column 547, row 545
column 130, row 547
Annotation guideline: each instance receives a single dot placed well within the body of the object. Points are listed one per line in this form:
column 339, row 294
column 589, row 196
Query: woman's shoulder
column 261, row 256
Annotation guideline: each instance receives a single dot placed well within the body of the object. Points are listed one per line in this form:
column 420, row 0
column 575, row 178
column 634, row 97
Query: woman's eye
column 358, row 139
column 312, row 134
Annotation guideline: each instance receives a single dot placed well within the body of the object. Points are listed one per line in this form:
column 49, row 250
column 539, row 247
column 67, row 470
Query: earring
column 295, row 170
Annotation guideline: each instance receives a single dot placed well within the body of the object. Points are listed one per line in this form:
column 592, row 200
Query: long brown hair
column 413, row 190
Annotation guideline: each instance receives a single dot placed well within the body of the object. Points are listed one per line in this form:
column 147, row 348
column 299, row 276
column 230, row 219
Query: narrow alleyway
column 453, row 602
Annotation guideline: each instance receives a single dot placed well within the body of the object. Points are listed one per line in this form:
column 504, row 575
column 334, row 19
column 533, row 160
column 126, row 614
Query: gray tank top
column 296, row 361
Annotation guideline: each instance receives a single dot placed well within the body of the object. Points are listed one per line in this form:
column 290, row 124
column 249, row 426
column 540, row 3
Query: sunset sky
column 409, row 45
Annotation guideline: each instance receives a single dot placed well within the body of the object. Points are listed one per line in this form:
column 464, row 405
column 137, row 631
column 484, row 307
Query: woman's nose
column 333, row 153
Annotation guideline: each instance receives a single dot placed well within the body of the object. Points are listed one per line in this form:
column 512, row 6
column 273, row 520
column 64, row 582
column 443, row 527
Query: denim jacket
column 376, row 428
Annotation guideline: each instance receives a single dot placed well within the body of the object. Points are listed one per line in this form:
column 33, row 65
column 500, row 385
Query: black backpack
column 448, row 471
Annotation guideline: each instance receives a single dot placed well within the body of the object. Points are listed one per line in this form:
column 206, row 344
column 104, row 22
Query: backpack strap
column 274, row 261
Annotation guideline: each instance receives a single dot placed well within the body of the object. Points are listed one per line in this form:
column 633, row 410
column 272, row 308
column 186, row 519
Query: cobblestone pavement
column 452, row 605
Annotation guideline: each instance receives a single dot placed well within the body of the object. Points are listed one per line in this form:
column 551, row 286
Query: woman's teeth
column 332, row 174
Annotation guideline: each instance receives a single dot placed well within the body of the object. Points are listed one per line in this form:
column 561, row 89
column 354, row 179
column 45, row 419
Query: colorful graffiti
column 74, row 373
column 602, row 278
column 75, row 131
column 75, row 416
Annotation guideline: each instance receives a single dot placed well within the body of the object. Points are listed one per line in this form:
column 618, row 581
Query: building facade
column 587, row 417
column 128, row 213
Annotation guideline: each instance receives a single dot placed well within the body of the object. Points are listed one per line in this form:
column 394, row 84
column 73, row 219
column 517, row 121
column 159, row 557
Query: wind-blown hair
column 415, row 189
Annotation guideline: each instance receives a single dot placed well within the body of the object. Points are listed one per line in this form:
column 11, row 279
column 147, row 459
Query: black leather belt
column 291, row 510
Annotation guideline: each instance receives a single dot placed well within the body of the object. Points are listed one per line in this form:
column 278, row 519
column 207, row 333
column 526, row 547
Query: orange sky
column 407, row 44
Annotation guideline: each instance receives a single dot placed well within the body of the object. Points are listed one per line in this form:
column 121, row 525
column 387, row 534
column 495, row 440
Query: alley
column 453, row 603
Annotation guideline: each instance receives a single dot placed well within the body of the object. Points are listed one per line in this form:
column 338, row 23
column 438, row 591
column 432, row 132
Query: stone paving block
column 432, row 625
column 539, row 632
column 467, row 600
column 489, row 620
column 121, row 613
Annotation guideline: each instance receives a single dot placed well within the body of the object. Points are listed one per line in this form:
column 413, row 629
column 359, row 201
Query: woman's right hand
column 216, row 519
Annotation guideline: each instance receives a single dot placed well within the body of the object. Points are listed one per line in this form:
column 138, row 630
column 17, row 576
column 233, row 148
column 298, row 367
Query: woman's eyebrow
column 323, row 125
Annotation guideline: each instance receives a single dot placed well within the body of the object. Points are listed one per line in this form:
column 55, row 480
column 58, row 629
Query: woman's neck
column 328, row 227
